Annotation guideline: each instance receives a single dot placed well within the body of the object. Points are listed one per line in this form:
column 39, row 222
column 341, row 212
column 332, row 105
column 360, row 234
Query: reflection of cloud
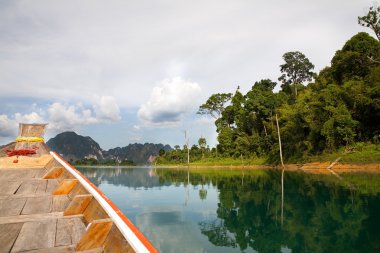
column 169, row 233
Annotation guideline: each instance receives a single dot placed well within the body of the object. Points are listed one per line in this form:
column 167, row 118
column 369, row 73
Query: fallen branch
column 329, row 168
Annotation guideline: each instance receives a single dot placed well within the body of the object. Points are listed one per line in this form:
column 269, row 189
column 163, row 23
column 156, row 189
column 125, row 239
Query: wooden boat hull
column 46, row 205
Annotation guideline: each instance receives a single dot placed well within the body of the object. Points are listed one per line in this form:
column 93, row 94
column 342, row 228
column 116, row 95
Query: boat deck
column 32, row 218
column 47, row 206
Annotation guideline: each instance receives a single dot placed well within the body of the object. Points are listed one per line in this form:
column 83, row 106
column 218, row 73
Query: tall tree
column 202, row 144
column 296, row 70
column 214, row 106
column 372, row 20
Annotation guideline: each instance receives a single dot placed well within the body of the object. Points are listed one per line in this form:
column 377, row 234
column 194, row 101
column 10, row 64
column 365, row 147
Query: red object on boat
column 18, row 152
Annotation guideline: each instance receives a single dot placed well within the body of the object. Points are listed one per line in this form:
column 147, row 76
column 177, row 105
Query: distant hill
column 76, row 147
column 138, row 153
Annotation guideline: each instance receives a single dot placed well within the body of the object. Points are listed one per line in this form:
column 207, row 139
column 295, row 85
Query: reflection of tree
column 202, row 193
column 321, row 214
column 217, row 233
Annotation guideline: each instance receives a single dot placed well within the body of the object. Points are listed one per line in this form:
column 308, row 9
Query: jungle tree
column 296, row 70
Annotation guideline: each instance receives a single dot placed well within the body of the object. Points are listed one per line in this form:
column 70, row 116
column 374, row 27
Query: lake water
column 223, row 210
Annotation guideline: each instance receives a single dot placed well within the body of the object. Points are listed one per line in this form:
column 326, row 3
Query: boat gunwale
column 131, row 233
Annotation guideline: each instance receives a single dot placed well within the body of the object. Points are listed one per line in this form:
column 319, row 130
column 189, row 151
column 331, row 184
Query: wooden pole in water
column 282, row 173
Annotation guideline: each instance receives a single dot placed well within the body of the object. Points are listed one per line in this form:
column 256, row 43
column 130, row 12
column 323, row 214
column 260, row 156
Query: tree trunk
column 279, row 142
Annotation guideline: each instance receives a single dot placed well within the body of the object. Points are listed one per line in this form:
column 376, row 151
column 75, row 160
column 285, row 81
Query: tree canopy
column 296, row 70
column 372, row 20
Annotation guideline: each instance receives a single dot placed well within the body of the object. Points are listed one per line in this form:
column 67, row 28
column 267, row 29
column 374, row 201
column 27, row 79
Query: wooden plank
column 8, row 235
column 63, row 236
column 94, row 211
column 19, row 196
column 41, row 186
column 51, row 185
column 28, row 187
column 78, row 204
column 69, row 231
column 36, row 217
column 9, row 187
column 61, row 249
column 38, row 205
column 17, row 175
column 40, row 173
column 60, row 203
column 53, row 173
column 65, row 187
column 78, row 189
column 9, row 207
column 116, row 243
column 95, row 235
column 97, row 250
column 52, row 163
column 77, row 229
column 65, row 175
column 36, row 235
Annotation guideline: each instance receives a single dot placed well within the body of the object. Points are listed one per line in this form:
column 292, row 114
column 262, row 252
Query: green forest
column 335, row 109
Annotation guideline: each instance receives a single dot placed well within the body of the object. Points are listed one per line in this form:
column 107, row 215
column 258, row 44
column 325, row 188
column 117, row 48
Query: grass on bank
column 360, row 153
column 230, row 161
column 221, row 161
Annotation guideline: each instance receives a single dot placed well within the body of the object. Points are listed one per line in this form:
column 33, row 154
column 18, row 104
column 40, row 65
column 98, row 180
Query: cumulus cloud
column 68, row 117
column 63, row 116
column 169, row 101
column 7, row 128
column 107, row 109
column 9, row 125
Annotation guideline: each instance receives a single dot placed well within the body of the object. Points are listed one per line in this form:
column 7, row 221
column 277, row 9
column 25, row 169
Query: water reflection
column 233, row 211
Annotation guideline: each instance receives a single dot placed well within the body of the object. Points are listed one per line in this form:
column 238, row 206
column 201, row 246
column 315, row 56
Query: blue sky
column 137, row 71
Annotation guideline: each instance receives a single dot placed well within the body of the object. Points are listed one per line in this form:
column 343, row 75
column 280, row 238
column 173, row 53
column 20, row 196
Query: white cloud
column 9, row 125
column 107, row 109
column 62, row 116
column 63, row 48
column 68, row 117
column 169, row 101
column 205, row 121
column 28, row 118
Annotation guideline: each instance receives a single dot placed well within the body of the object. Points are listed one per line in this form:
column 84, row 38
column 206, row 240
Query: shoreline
column 312, row 168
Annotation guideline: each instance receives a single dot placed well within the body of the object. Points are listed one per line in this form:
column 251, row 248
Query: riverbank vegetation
column 95, row 162
column 335, row 111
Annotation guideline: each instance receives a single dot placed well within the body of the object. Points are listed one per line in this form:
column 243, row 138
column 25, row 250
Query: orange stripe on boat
column 131, row 226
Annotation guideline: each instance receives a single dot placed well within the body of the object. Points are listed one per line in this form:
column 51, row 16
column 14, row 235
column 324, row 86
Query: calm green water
column 216, row 210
